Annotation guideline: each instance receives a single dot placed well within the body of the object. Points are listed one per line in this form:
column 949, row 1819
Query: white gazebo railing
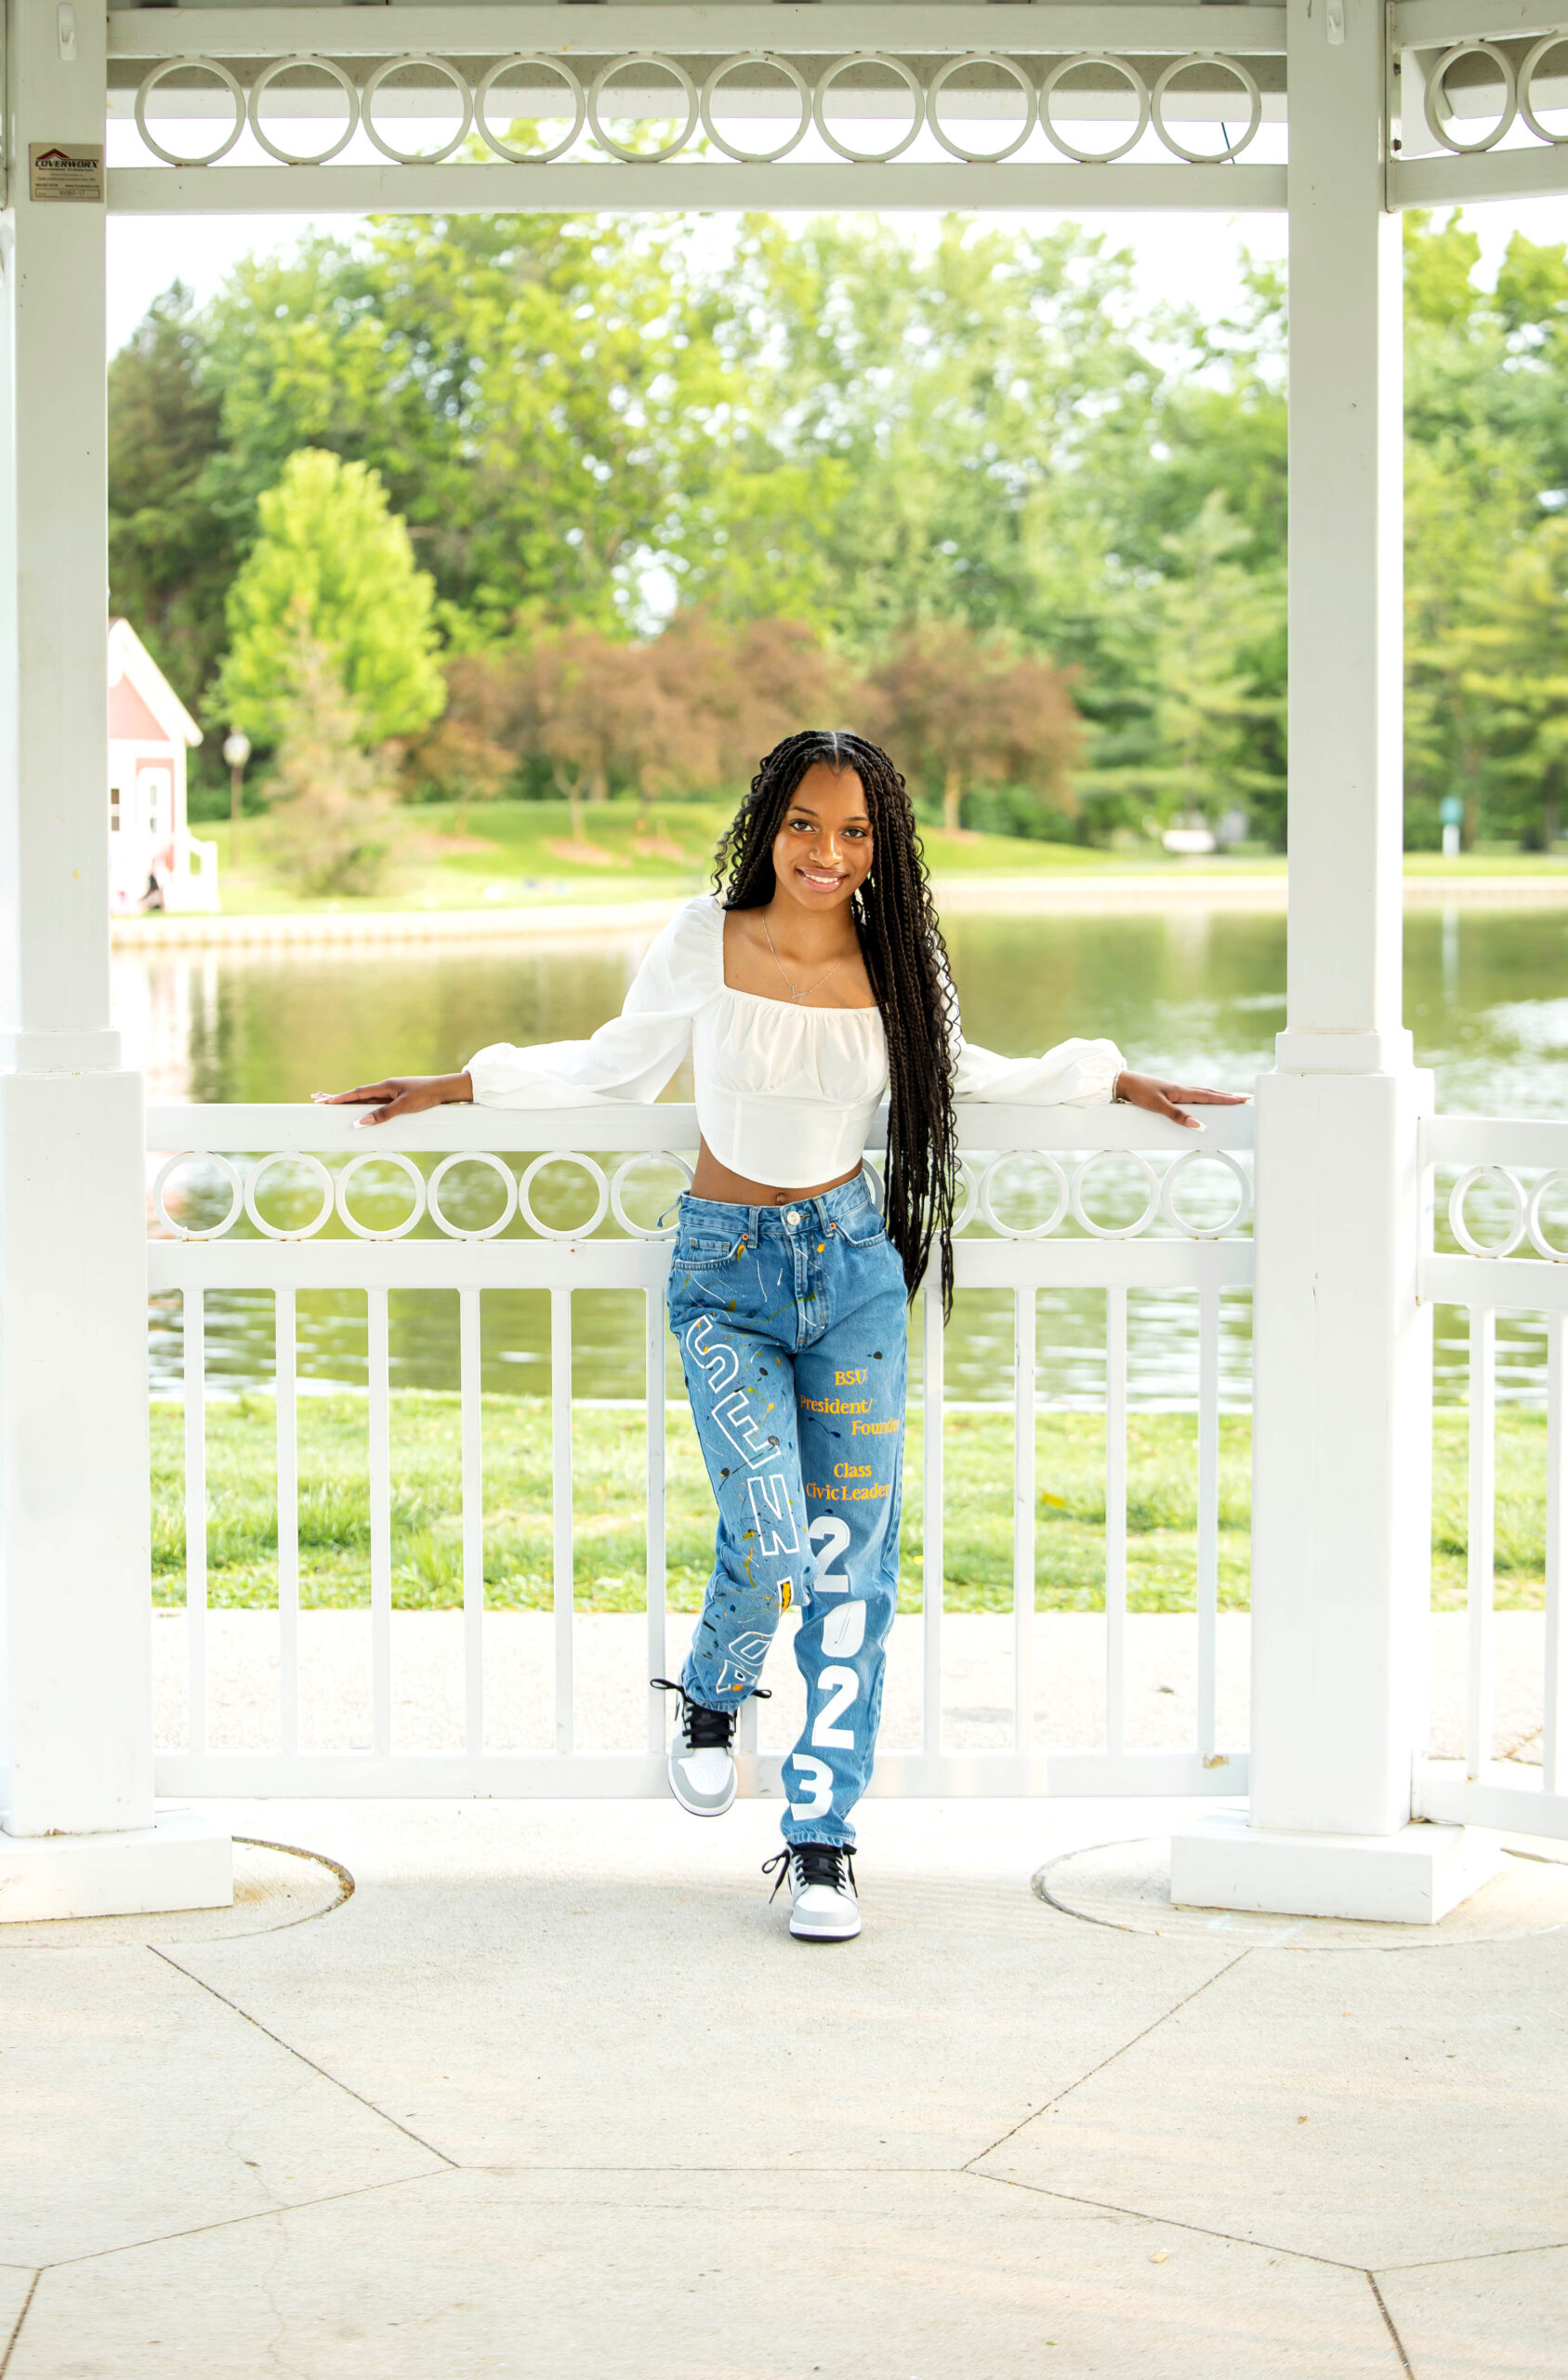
column 1384, row 104
column 1183, row 1229
column 1499, row 1188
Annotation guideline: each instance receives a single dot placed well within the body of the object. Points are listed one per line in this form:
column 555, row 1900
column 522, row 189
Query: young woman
column 812, row 984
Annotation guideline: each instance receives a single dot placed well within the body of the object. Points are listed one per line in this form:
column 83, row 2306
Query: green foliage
column 834, row 425
column 171, row 553
column 332, row 799
column 334, row 565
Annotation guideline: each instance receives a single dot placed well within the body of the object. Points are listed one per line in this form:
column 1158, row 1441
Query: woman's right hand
column 400, row 1095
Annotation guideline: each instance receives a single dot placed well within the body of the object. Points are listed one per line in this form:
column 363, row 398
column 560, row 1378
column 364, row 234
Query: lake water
column 1193, row 994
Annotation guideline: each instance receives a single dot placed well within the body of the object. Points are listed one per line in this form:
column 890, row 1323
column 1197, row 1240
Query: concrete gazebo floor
column 553, row 2091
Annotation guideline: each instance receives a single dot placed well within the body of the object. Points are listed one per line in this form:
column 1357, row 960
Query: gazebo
column 1381, row 104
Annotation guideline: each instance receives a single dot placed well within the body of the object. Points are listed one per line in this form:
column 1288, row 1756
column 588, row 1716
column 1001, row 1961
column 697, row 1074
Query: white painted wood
column 666, row 1125
column 194, row 1385
column 54, row 628
column 1555, row 1682
column 618, row 1776
column 561, row 1508
column 916, row 29
column 1145, row 1264
column 655, row 1340
column 681, row 182
column 285, row 1368
column 1346, row 557
column 1208, row 1501
column 470, row 1385
column 1514, row 1284
column 1437, row 24
column 1024, row 1519
column 379, row 1368
column 1494, row 1140
column 1444, row 180
column 933, row 1536
column 1444, row 1794
column 1479, row 1573
column 1115, row 1519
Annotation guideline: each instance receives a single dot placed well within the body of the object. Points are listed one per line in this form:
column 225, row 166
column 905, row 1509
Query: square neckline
column 765, row 999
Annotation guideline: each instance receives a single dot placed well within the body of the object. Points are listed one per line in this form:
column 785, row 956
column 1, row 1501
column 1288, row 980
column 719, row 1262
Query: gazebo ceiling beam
column 566, row 188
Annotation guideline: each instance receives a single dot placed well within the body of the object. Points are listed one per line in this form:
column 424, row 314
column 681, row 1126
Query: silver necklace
column 798, row 997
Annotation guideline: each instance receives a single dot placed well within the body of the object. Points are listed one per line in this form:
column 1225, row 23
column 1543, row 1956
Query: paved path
column 611, row 1666
column 555, row 2094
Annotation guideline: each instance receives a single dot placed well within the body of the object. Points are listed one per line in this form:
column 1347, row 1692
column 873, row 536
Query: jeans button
column 793, row 1216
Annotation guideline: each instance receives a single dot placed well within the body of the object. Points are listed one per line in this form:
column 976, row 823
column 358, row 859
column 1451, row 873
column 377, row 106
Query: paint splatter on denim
column 792, row 1329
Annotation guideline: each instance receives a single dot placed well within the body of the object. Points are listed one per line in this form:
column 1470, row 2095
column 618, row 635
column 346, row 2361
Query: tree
column 1516, row 663
column 332, row 563
column 171, row 555
column 332, row 798
column 1205, row 703
column 971, row 712
column 594, row 711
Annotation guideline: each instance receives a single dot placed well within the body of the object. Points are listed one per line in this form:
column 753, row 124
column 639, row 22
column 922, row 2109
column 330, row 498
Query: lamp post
column 236, row 751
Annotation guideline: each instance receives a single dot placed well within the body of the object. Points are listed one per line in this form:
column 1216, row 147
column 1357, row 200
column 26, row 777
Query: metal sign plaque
column 66, row 169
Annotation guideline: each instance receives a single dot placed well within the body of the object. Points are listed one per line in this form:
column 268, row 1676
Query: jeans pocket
column 864, row 1228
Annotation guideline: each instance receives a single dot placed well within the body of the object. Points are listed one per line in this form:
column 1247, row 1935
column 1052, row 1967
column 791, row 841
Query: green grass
column 608, row 1470
column 503, row 858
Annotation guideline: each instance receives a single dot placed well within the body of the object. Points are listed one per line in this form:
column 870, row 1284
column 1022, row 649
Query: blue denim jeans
column 792, row 1323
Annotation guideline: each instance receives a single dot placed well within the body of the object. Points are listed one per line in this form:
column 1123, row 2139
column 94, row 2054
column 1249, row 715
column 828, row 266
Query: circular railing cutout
column 1103, row 61
column 517, row 75
column 896, row 73
column 181, row 73
column 645, row 147
column 1460, row 1192
column 978, row 74
column 770, row 76
column 438, row 1214
column 417, row 70
column 1229, row 149
column 321, row 1180
column 1437, row 97
column 411, row 1174
column 326, row 78
column 220, row 1165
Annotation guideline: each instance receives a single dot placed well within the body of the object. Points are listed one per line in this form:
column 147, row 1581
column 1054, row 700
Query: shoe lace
column 706, row 1729
column 820, row 1863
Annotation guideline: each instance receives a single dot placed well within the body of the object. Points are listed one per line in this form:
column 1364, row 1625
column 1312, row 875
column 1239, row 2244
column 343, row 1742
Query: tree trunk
column 598, row 786
column 1550, row 819
column 952, row 795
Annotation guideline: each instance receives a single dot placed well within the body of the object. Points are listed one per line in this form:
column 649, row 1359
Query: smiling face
column 822, row 850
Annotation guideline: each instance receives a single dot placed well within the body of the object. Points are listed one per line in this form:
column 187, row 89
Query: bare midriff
column 715, row 1181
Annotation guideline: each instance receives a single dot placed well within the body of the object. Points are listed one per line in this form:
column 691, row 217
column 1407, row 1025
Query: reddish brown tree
column 962, row 710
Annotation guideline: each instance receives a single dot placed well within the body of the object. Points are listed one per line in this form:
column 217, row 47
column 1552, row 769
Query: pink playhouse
column 154, row 861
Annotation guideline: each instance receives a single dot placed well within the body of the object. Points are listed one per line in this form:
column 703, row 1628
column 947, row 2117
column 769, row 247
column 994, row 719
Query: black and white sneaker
column 821, row 1887
column 702, row 1756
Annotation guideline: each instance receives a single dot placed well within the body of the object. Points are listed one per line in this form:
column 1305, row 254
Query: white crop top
column 786, row 1094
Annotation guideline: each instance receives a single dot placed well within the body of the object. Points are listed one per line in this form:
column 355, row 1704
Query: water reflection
column 1195, row 993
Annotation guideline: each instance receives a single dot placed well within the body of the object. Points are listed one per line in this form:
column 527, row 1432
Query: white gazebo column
column 1341, row 1504
column 80, row 1837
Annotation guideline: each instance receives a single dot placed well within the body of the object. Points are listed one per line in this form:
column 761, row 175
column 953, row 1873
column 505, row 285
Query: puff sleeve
column 633, row 1056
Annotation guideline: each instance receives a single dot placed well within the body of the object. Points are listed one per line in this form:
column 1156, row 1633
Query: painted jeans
column 792, row 1328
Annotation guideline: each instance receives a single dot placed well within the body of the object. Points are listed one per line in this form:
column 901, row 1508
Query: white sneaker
column 702, row 1759
column 821, row 1886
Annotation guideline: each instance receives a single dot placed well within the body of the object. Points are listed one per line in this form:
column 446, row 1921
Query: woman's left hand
column 1168, row 1099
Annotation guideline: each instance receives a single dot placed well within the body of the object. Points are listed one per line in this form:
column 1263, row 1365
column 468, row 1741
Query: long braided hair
column 907, row 960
